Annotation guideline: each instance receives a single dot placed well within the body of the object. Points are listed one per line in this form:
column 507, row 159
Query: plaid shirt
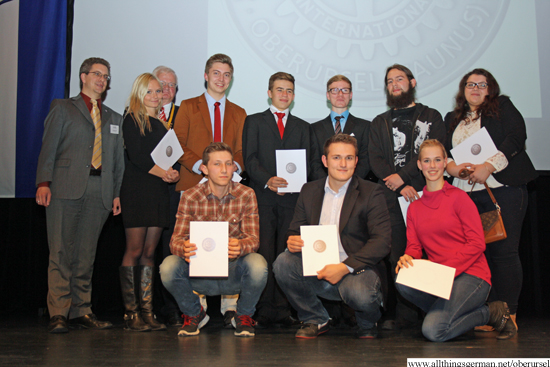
column 238, row 207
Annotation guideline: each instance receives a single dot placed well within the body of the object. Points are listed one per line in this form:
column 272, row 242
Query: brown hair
column 338, row 78
column 280, row 76
column 403, row 68
column 224, row 59
column 215, row 147
column 340, row 138
column 431, row 143
column 488, row 108
column 87, row 66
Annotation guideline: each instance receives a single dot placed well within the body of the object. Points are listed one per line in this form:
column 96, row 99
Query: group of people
column 94, row 161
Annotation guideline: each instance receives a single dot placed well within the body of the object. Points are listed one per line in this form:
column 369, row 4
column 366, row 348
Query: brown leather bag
column 493, row 226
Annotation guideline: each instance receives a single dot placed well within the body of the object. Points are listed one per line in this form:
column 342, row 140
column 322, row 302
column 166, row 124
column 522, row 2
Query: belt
column 95, row 172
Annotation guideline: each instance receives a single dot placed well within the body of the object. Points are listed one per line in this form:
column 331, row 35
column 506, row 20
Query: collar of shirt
column 343, row 120
column 167, row 109
column 274, row 109
column 89, row 104
column 207, row 191
column 210, row 100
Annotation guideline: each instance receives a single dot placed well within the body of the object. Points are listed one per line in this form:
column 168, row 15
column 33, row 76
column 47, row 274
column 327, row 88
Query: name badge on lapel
column 114, row 129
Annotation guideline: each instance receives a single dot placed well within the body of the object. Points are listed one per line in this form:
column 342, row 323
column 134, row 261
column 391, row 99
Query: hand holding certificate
column 320, row 248
column 211, row 256
column 168, row 151
column 291, row 165
column 429, row 277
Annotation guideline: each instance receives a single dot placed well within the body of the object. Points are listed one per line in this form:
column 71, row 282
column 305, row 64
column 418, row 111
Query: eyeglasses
column 99, row 75
column 479, row 85
column 337, row 90
column 169, row 85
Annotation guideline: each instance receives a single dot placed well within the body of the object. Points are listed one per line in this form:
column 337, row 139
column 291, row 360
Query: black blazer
column 261, row 138
column 322, row 130
column 509, row 134
column 365, row 228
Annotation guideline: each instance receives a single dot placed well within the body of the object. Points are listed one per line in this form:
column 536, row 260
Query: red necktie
column 217, row 123
column 280, row 125
column 162, row 115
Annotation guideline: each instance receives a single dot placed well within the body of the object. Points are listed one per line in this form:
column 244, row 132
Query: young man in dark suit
column 263, row 134
column 79, row 175
column 359, row 210
column 340, row 120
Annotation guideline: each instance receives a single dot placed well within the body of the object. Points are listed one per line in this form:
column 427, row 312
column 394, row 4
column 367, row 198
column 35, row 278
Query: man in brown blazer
column 202, row 120
column 196, row 119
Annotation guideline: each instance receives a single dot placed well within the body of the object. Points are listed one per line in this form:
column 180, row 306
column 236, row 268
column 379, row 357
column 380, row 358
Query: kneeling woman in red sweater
column 445, row 224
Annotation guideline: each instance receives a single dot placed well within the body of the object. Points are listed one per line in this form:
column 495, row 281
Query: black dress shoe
column 289, row 322
column 58, row 325
column 174, row 319
column 262, row 322
column 89, row 321
column 227, row 317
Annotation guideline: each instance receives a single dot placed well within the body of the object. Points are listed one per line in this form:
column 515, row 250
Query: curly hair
column 488, row 108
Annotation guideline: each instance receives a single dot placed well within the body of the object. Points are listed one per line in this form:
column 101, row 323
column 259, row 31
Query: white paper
column 429, row 277
column 476, row 149
column 168, row 151
column 211, row 258
column 236, row 178
column 320, row 248
column 292, row 166
column 404, row 204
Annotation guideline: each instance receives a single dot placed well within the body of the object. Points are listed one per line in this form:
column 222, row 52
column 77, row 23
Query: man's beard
column 403, row 100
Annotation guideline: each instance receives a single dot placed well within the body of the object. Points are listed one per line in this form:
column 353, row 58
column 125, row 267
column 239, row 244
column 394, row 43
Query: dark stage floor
column 25, row 342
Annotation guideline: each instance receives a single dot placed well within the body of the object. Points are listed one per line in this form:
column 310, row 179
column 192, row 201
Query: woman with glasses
column 479, row 104
column 459, row 244
column 145, row 201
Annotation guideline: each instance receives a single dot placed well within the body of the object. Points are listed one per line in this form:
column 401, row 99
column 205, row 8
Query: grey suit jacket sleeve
column 53, row 127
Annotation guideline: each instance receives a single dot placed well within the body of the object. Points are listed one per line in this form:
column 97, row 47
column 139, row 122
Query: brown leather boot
column 499, row 318
column 146, row 292
column 129, row 278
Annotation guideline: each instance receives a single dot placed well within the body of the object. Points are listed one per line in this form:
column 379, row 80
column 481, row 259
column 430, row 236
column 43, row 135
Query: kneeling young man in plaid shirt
column 218, row 199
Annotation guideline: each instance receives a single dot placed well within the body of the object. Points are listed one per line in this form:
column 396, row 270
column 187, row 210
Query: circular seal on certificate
column 291, row 168
column 319, row 246
column 476, row 149
column 208, row 244
column 169, row 151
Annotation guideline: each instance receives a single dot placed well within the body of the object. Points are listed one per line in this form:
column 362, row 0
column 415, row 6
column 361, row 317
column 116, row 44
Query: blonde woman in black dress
column 145, row 198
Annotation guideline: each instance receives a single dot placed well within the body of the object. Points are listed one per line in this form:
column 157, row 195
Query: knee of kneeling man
column 169, row 266
column 432, row 334
column 256, row 263
column 281, row 263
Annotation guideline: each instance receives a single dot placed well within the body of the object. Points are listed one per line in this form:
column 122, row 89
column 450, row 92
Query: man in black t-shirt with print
column 395, row 137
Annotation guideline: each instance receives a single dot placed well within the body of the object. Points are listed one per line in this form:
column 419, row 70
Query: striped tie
column 337, row 127
column 96, row 118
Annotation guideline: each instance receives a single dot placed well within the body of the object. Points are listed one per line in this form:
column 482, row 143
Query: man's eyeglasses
column 479, row 85
column 337, row 90
column 169, row 85
column 99, row 75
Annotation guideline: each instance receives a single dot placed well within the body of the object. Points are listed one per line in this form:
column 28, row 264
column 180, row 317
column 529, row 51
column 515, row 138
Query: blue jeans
column 447, row 319
column 359, row 291
column 247, row 277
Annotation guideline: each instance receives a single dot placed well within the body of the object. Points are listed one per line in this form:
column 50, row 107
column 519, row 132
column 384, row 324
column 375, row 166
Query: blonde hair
column 431, row 143
column 135, row 105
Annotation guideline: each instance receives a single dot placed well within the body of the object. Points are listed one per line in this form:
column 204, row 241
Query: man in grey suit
column 79, row 175
column 340, row 94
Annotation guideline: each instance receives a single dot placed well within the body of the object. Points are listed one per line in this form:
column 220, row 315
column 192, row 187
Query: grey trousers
column 73, row 227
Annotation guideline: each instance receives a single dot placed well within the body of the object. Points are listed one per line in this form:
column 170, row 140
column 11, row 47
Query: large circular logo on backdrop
column 316, row 39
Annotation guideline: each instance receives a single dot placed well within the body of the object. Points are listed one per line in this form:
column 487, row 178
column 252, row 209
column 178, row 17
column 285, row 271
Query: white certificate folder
column 292, row 166
column 211, row 258
column 320, row 248
column 168, row 151
column 429, row 277
column 476, row 149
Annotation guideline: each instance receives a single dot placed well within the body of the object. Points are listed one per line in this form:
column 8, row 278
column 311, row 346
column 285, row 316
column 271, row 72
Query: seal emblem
column 319, row 246
column 208, row 244
column 291, row 168
column 169, row 151
column 476, row 149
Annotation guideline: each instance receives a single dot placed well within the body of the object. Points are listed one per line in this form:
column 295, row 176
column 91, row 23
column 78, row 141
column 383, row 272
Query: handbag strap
column 490, row 194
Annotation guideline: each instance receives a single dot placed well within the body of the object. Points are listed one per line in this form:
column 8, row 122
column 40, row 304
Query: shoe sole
column 367, row 337
column 59, row 330
column 244, row 334
column 201, row 325
column 311, row 337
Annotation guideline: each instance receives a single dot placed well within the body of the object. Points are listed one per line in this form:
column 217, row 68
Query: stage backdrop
column 312, row 39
